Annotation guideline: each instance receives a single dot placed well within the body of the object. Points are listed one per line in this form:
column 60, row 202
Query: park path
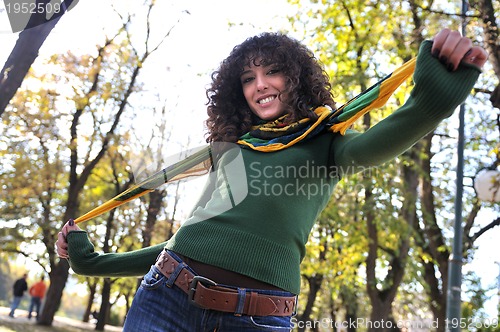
column 21, row 323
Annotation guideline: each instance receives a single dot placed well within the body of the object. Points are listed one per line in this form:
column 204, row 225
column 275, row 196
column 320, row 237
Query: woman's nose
column 261, row 83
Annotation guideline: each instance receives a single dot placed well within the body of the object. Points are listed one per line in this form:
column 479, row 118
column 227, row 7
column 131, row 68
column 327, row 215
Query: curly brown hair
column 307, row 85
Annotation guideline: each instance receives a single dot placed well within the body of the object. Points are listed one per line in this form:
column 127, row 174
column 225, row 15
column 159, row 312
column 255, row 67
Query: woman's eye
column 273, row 71
column 246, row 79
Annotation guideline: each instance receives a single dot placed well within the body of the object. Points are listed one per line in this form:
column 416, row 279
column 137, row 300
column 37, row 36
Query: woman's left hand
column 62, row 243
column 451, row 48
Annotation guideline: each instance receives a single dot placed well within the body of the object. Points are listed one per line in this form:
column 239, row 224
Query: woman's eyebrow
column 248, row 71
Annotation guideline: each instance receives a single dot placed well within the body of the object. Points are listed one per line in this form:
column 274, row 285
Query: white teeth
column 266, row 100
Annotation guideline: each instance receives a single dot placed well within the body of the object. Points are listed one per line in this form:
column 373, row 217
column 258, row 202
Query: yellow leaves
column 81, row 102
column 426, row 257
column 442, row 248
column 392, row 238
column 106, row 91
column 495, row 151
column 95, row 67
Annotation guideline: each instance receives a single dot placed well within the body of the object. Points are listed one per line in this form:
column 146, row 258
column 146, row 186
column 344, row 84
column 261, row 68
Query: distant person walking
column 37, row 292
column 20, row 286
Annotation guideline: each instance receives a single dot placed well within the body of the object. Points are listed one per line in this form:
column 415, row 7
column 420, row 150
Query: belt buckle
column 192, row 288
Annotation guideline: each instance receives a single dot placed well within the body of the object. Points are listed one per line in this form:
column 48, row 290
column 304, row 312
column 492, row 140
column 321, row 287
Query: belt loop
column 241, row 302
column 175, row 274
column 173, row 255
column 159, row 255
column 295, row 305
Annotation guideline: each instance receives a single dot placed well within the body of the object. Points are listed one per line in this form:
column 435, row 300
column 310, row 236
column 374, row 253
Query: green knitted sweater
column 257, row 219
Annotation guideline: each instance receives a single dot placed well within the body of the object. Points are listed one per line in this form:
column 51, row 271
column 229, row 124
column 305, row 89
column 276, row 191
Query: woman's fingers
column 451, row 49
column 456, row 55
column 70, row 226
column 62, row 244
column 476, row 56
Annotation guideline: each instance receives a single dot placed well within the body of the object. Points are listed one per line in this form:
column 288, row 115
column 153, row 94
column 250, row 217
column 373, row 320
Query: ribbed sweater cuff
column 85, row 261
column 437, row 89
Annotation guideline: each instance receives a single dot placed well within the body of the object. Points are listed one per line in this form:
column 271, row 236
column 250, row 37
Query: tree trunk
column 381, row 317
column 128, row 297
column 434, row 244
column 380, row 301
column 349, row 301
column 58, row 277
column 155, row 203
column 491, row 34
column 25, row 52
column 314, row 287
column 90, row 301
column 436, row 293
column 491, row 38
column 103, row 316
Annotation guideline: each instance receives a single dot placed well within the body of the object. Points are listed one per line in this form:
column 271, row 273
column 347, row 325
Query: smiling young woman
column 234, row 264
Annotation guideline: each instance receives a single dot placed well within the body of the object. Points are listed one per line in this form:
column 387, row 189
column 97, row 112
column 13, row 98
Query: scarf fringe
column 374, row 97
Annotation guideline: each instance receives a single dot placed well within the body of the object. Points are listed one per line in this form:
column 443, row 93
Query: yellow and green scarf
column 277, row 135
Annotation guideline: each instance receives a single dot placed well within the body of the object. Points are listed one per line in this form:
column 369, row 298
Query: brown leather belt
column 207, row 294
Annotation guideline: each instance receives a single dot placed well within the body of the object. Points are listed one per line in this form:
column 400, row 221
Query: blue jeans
column 160, row 306
column 35, row 305
column 14, row 305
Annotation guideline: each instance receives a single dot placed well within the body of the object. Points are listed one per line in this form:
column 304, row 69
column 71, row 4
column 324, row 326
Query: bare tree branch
column 483, row 230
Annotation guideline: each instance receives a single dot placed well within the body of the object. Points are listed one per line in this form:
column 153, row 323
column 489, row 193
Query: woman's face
column 262, row 84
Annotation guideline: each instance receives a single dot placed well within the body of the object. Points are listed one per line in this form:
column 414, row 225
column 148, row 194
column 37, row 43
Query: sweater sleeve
column 436, row 94
column 85, row 261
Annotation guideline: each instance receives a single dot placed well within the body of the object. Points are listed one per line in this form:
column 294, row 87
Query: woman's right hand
column 62, row 243
column 451, row 48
